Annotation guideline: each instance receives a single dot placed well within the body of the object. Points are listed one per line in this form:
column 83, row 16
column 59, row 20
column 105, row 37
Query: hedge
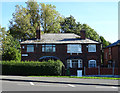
column 32, row 68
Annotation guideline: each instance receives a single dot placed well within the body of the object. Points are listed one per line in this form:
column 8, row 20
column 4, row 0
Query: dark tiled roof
column 59, row 38
column 114, row 44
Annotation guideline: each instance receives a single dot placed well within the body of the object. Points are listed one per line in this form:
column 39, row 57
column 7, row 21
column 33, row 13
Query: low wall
column 91, row 71
column 102, row 71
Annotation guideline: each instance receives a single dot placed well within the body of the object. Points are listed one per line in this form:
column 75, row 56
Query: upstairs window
column 91, row 48
column 30, row 48
column 92, row 63
column 48, row 48
column 74, row 48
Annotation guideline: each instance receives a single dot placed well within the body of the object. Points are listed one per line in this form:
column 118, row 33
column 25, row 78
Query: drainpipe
column 98, row 70
column 84, row 70
column 113, row 67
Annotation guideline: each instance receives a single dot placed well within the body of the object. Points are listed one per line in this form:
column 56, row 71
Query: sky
column 101, row 16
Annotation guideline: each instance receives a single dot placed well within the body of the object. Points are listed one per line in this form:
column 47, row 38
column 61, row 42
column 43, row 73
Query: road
column 24, row 83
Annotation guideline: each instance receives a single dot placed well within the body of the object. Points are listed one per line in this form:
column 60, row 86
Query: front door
column 79, row 73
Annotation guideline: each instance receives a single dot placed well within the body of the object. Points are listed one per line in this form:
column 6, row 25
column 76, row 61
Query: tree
column 104, row 42
column 50, row 18
column 25, row 21
column 91, row 33
column 2, row 35
column 10, row 47
column 68, row 25
column 20, row 26
column 34, row 10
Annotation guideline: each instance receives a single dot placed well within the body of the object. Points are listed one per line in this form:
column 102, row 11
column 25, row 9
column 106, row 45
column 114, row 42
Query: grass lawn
column 84, row 77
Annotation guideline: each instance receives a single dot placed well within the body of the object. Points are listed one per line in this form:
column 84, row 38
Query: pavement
column 24, row 83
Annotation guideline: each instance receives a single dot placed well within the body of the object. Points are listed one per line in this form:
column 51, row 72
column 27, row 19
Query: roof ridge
column 59, row 33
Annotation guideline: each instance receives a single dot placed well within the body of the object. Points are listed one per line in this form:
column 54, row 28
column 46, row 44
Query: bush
column 32, row 67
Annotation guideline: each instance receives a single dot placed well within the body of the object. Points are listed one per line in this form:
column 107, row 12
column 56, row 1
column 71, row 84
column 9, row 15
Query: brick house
column 112, row 55
column 76, row 52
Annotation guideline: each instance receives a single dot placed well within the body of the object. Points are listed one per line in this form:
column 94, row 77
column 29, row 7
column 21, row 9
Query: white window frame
column 30, row 46
column 70, row 63
column 79, row 63
column 89, row 62
column 53, row 47
column 25, row 55
column 70, row 48
column 90, row 46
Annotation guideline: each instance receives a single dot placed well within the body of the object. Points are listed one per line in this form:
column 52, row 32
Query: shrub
column 32, row 67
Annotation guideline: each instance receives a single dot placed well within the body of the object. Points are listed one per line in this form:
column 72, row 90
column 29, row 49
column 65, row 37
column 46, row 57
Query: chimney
column 83, row 34
column 38, row 33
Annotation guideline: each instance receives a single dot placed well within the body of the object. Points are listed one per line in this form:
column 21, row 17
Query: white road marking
column 104, row 87
column 114, row 87
column 31, row 83
column 71, row 85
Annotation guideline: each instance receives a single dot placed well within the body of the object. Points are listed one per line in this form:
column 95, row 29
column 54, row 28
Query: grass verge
column 84, row 77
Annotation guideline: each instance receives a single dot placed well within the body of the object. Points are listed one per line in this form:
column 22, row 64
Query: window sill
column 91, row 51
column 74, row 53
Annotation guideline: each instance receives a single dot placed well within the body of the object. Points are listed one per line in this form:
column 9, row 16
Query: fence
column 102, row 71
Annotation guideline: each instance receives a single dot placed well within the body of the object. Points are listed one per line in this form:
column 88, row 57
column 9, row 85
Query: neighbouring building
column 76, row 52
column 112, row 55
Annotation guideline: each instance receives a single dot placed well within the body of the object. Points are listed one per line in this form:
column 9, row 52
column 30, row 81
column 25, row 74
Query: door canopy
column 46, row 58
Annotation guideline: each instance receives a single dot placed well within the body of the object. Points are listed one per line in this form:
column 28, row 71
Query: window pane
column 48, row 48
column 74, row 48
column 30, row 48
column 79, row 63
column 42, row 48
column 71, row 64
column 91, row 48
column 53, row 49
column 92, row 63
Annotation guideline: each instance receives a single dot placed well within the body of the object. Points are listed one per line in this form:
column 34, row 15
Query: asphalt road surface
column 24, row 83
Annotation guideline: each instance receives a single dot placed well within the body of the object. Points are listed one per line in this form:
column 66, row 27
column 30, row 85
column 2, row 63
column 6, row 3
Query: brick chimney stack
column 83, row 34
column 38, row 33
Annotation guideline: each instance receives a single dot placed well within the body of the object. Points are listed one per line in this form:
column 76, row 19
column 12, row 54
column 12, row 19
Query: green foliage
column 2, row 35
column 32, row 67
column 83, row 77
column 68, row 72
column 91, row 33
column 33, row 9
column 50, row 18
column 10, row 47
column 25, row 21
column 11, row 54
column 104, row 42
column 20, row 26
column 70, row 26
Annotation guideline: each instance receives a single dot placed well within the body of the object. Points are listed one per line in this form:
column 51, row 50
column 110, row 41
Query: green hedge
column 32, row 67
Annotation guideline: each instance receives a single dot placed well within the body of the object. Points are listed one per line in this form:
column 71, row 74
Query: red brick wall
column 114, row 55
column 103, row 71
column 61, row 53
column 91, row 71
